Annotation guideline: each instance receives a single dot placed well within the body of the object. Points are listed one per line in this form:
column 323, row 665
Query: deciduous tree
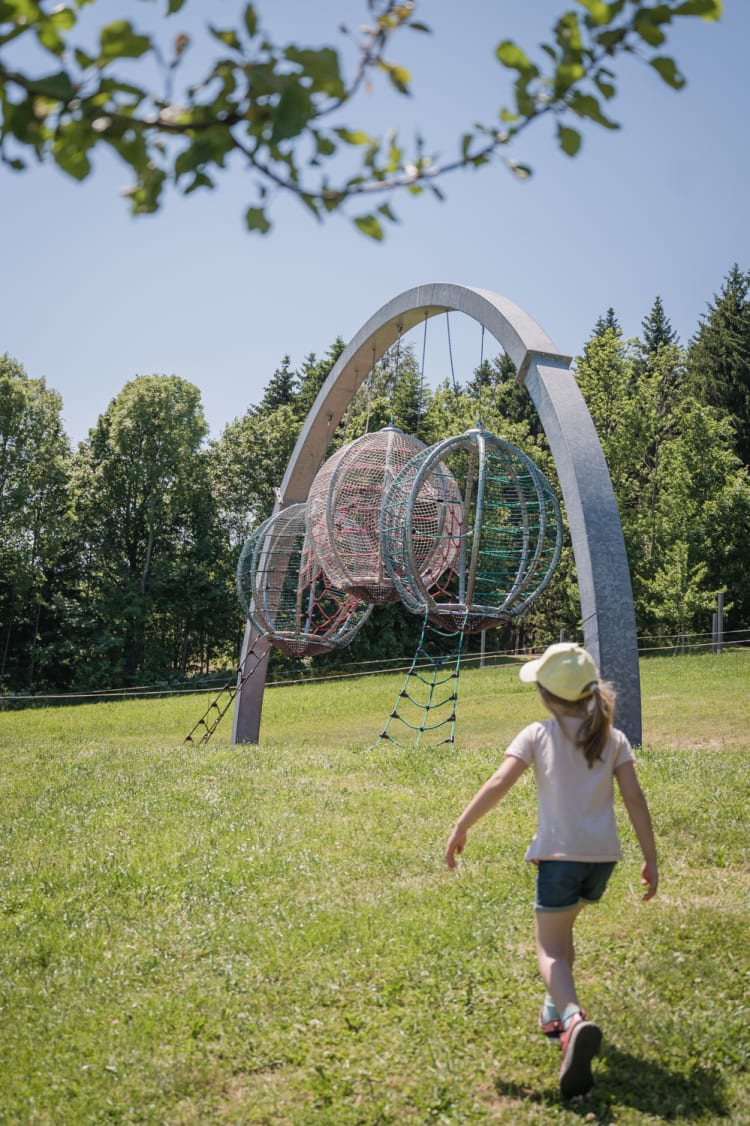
column 34, row 454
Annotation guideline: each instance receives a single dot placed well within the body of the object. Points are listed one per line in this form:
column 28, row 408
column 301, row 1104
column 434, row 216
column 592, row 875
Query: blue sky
column 90, row 297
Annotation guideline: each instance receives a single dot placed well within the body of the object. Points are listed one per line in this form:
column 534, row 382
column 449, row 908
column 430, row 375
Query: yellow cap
column 566, row 670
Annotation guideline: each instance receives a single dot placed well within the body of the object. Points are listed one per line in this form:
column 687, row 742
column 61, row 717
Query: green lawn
column 269, row 935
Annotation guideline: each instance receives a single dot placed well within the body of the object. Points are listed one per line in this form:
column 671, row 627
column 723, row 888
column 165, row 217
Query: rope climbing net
column 344, row 507
column 288, row 596
column 492, row 522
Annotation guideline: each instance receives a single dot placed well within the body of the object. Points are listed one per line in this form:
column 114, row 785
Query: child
column 575, row 754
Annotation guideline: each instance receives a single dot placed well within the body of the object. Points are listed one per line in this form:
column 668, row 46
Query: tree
column 313, row 374
column 34, row 456
column 607, row 323
column 682, row 495
column 657, row 330
column 144, row 518
column 282, row 388
column 276, row 107
column 248, row 462
column 719, row 357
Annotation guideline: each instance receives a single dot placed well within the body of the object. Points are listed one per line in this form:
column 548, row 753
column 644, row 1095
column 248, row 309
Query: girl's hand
column 650, row 876
column 455, row 847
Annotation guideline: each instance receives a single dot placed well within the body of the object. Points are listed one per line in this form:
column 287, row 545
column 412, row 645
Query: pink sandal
column 553, row 1029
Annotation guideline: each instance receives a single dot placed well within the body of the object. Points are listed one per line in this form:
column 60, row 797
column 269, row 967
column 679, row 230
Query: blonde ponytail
column 595, row 729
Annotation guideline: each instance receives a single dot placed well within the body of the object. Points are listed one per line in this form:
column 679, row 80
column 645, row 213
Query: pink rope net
column 344, row 508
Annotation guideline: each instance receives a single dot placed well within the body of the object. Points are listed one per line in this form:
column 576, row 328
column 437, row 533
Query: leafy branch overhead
column 278, row 108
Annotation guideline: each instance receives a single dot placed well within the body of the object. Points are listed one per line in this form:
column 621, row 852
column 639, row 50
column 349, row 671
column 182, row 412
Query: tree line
column 118, row 558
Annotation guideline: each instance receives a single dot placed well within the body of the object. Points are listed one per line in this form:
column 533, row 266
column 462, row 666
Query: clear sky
column 91, row 297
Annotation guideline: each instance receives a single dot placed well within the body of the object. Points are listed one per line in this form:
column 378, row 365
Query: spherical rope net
column 344, row 508
column 493, row 524
column 287, row 596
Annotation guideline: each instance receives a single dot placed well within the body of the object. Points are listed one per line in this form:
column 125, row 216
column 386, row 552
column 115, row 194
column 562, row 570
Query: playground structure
column 604, row 580
column 467, row 548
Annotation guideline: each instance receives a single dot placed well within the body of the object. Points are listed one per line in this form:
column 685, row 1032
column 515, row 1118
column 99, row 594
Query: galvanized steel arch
column 605, row 591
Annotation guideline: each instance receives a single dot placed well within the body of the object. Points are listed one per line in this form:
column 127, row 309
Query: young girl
column 575, row 755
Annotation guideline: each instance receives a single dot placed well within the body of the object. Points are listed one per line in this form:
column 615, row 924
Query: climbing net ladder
column 428, row 699
column 221, row 703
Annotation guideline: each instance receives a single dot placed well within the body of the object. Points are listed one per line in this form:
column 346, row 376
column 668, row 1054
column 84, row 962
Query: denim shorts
column 562, row 884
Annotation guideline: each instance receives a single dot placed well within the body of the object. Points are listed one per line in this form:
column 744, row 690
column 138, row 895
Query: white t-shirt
column 575, row 815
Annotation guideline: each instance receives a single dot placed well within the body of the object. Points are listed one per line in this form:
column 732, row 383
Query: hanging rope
column 421, row 376
column 450, row 353
column 369, row 392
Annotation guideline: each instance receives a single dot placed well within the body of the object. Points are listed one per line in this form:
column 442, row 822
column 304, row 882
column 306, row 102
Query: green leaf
column 599, row 12
column 568, row 139
column 312, row 204
column 119, row 41
column 255, row 220
column 83, row 59
column 57, row 86
column 229, row 37
column 708, row 9
column 568, row 34
column 292, row 113
column 511, row 55
column 200, row 180
column 399, row 76
column 72, row 160
column 648, row 28
column 609, row 40
column 322, row 66
column 585, row 105
column 174, row 6
column 370, row 225
column 667, row 68
column 324, row 146
column 386, row 212
column 62, row 18
column 606, row 89
column 352, row 137
column 250, row 17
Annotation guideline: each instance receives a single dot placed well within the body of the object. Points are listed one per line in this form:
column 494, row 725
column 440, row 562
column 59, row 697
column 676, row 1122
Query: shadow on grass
column 643, row 1085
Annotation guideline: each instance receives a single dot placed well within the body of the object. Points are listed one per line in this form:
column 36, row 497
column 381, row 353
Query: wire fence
column 677, row 645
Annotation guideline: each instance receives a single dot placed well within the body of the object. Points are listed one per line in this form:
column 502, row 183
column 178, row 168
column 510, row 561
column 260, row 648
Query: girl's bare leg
column 555, row 954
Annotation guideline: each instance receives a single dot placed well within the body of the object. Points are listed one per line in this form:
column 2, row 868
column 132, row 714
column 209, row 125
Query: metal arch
column 604, row 585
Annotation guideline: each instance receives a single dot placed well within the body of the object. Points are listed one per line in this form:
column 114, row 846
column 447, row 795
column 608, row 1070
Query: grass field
column 269, row 934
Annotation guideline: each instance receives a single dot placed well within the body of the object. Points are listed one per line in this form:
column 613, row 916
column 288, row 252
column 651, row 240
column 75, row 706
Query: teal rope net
column 428, row 700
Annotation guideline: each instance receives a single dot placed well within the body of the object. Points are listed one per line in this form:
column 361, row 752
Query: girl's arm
column 640, row 819
column 483, row 801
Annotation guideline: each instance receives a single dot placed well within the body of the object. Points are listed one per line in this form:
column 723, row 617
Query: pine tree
column 719, row 357
column 606, row 323
column 282, row 388
column 661, row 361
column 657, row 330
